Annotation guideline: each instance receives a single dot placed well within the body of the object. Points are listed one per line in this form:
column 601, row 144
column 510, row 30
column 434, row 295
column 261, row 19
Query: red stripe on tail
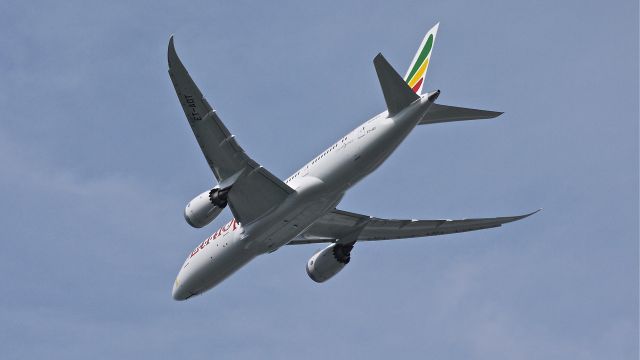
column 416, row 87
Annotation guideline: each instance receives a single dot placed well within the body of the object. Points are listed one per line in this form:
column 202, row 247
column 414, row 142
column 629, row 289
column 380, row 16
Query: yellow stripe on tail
column 418, row 69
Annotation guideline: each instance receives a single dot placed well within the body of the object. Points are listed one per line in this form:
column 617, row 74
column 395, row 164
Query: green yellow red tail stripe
column 418, row 69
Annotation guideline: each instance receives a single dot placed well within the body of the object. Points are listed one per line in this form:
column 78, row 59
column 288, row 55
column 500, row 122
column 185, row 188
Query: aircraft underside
column 270, row 213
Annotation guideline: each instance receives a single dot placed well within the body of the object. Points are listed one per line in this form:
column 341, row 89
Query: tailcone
column 432, row 96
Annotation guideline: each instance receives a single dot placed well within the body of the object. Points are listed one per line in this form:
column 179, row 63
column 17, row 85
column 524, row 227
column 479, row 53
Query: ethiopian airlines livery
column 269, row 213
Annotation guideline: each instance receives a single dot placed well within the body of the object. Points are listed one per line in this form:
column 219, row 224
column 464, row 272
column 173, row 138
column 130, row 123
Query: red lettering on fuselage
column 233, row 225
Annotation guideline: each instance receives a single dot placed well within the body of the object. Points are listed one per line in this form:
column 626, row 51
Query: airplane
column 269, row 213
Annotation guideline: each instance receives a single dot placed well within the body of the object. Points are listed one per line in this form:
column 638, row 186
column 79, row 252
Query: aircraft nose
column 179, row 293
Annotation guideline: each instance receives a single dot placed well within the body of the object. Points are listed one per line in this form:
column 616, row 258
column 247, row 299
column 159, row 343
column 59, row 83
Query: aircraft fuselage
column 319, row 186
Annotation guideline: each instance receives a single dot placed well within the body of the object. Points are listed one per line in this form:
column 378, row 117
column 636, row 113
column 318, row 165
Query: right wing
column 338, row 225
column 254, row 189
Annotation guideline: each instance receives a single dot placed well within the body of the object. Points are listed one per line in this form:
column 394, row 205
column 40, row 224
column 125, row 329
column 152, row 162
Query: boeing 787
column 269, row 213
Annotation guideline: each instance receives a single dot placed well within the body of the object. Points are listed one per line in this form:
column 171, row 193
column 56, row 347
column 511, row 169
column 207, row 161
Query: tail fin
column 397, row 94
column 418, row 69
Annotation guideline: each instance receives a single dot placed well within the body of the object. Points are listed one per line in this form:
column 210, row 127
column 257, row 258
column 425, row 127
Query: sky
column 98, row 163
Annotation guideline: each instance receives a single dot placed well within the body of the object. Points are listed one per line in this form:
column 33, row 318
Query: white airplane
column 269, row 213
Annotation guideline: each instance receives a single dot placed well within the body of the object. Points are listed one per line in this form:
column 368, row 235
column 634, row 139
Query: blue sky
column 99, row 162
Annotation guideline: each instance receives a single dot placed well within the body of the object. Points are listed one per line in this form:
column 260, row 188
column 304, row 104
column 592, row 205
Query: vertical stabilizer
column 418, row 70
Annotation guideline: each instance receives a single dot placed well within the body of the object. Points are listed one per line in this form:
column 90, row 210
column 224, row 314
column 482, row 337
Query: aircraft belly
column 222, row 258
column 317, row 194
column 297, row 221
column 228, row 253
column 269, row 213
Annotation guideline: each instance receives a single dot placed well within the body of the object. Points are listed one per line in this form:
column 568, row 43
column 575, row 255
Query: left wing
column 254, row 191
column 339, row 226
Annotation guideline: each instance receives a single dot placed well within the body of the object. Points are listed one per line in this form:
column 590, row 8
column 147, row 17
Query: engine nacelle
column 327, row 262
column 205, row 207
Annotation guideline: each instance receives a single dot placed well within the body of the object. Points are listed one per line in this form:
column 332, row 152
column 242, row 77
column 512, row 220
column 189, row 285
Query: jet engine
column 205, row 207
column 327, row 262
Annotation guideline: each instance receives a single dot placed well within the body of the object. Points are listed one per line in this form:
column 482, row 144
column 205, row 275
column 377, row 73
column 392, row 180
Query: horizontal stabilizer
column 397, row 94
column 443, row 113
